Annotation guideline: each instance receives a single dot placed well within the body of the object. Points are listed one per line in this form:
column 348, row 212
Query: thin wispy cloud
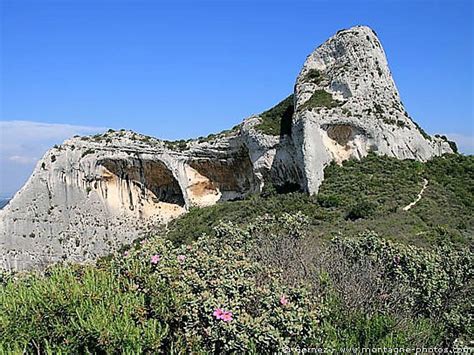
column 23, row 143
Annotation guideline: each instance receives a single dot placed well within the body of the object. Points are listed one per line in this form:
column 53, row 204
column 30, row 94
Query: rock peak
column 358, row 30
column 347, row 105
column 346, row 62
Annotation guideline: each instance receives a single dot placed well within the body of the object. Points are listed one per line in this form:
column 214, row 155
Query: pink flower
column 227, row 316
column 142, row 241
column 155, row 259
column 283, row 300
column 125, row 254
column 181, row 258
column 218, row 313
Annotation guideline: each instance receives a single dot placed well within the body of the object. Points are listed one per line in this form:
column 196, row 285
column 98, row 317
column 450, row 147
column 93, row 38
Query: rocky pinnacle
column 347, row 105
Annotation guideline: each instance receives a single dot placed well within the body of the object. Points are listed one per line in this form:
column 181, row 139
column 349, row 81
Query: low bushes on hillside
column 367, row 279
column 435, row 284
column 208, row 296
column 258, row 288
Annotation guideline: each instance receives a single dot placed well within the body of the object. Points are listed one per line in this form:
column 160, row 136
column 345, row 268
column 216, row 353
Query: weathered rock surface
column 90, row 195
column 347, row 104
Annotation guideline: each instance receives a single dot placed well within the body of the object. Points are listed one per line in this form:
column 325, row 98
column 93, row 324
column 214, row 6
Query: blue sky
column 182, row 69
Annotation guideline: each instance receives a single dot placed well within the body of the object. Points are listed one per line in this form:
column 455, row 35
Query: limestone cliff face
column 90, row 195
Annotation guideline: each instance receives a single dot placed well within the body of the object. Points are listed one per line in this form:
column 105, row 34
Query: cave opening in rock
column 233, row 176
column 150, row 175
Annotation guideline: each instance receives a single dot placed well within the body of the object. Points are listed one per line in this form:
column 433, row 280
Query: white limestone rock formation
column 347, row 105
column 90, row 195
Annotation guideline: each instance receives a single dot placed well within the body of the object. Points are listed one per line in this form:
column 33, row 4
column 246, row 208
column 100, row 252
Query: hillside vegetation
column 273, row 271
column 361, row 195
column 277, row 120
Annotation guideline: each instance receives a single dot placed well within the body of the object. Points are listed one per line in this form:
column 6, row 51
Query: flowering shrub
column 283, row 300
column 221, row 301
column 208, row 296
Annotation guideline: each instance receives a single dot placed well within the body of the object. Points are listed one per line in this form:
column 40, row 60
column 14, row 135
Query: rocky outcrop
column 90, row 195
column 347, row 104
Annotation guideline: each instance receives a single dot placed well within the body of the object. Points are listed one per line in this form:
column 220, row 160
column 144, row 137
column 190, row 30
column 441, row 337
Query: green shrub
column 277, row 120
column 75, row 310
column 389, row 121
column 315, row 76
column 320, row 98
column 453, row 146
column 437, row 283
column 361, row 209
column 328, row 200
column 268, row 190
column 361, row 302
column 180, row 145
column 375, row 292
column 401, row 124
column 160, row 298
column 203, row 220
column 223, row 133
column 346, row 111
column 379, row 111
